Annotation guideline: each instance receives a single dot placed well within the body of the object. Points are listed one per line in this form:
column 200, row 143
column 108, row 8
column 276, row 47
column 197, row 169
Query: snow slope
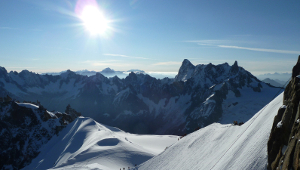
column 220, row 146
column 86, row 144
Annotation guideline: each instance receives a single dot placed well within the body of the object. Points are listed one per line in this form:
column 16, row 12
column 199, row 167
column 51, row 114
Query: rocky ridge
column 25, row 128
column 198, row 96
column 284, row 141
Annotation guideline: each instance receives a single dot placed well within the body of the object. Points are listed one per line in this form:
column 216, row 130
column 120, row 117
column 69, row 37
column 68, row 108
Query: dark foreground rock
column 284, row 141
column 25, row 128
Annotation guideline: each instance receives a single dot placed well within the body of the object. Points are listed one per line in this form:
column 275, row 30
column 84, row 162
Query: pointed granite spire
column 186, row 63
column 234, row 68
column 185, row 71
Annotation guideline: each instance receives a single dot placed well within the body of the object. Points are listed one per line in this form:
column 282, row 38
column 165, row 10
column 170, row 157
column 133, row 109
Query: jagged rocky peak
column 234, row 68
column 185, row 71
column 210, row 71
column 68, row 74
column 131, row 77
column 187, row 63
column 284, row 140
column 3, row 72
column 25, row 128
column 98, row 76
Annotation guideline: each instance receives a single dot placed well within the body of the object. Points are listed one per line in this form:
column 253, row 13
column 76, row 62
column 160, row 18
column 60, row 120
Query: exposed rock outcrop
column 284, row 141
column 24, row 129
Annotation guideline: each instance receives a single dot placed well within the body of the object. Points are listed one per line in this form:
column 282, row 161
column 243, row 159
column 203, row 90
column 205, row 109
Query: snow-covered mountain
column 25, row 128
column 86, row 144
column 198, row 96
column 35, row 138
column 222, row 147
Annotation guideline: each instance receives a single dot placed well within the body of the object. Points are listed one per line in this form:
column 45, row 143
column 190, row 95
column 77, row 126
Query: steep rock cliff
column 284, row 141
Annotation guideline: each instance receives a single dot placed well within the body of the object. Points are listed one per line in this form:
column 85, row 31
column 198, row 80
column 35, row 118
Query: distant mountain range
column 276, row 83
column 196, row 97
column 282, row 78
column 107, row 72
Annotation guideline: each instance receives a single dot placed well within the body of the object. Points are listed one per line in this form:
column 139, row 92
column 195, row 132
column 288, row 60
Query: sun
column 94, row 20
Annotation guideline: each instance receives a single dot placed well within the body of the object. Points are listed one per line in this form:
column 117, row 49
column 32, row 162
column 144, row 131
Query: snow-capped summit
column 222, row 147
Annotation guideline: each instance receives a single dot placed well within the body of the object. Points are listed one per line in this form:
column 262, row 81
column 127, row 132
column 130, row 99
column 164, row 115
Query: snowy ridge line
column 249, row 125
column 239, row 136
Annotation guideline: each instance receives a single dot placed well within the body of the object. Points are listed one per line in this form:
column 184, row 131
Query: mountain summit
column 108, row 71
column 185, row 71
column 234, row 68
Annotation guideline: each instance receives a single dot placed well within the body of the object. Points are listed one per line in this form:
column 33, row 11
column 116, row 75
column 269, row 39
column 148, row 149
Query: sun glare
column 94, row 20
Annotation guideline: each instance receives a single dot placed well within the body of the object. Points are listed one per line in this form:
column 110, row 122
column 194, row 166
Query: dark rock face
column 24, row 128
column 284, row 141
column 296, row 68
column 235, row 68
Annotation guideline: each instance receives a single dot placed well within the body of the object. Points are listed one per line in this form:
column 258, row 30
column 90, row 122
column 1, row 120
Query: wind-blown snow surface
column 222, row 146
column 86, row 144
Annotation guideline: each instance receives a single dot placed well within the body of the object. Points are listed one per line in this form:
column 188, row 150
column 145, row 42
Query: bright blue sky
column 151, row 35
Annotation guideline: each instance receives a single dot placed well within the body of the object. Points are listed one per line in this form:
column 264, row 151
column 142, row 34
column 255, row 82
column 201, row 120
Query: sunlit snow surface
column 86, row 144
column 221, row 147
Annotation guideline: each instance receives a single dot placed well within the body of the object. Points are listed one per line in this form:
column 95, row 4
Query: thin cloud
column 55, row 48
column 110, row 63
column 167, row 63
column 97, row 61
column 8, row 28
column 106, row 61
column 125, row 56
column 260, row 49
column 210, row 41
column 216, row 43
column 12, row 28
column 21, row 67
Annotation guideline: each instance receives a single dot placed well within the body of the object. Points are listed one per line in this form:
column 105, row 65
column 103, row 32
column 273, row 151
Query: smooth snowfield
column 221, row 147
column 86, row 144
